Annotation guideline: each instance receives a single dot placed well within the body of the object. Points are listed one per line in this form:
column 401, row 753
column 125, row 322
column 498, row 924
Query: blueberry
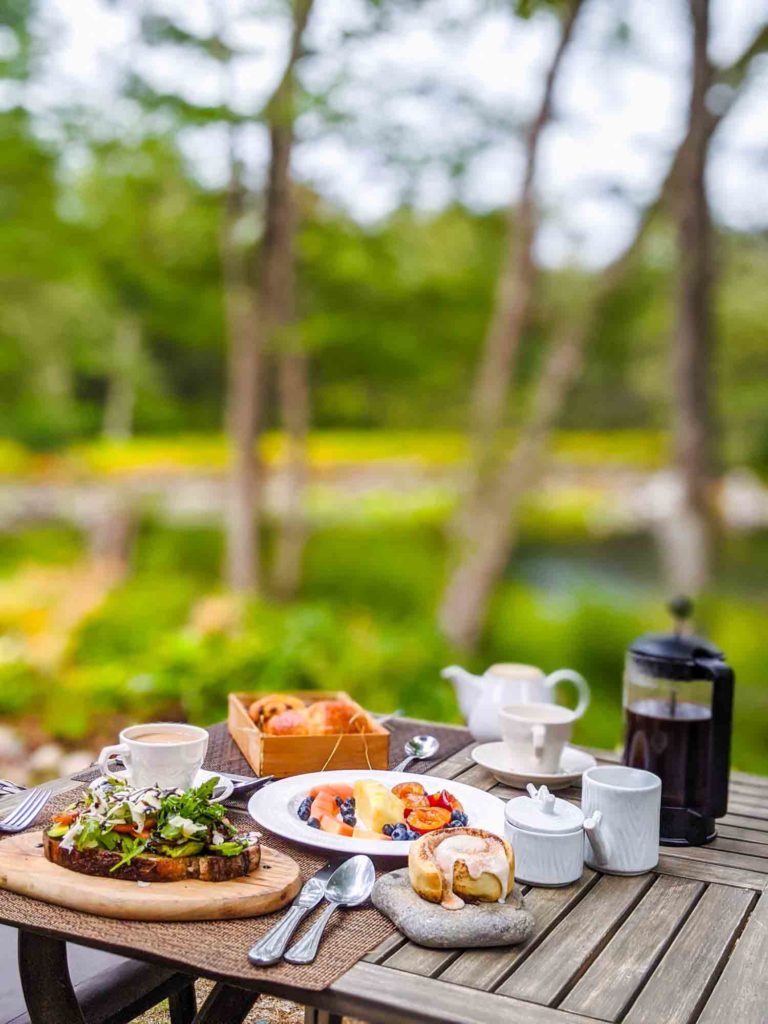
column 313, row 823
column 387, row 829
column 303, row 809
column 339, row 802
column 410, row 834
column 349, row 819
column 459, row 817
column 399, row 832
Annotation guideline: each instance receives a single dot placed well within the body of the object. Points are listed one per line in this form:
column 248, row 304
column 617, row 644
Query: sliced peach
column 334, row 826
column 323, row 803
column 335, row 789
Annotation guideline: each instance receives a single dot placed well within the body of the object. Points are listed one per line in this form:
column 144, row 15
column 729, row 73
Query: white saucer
column 222, row 792
column 496, row 758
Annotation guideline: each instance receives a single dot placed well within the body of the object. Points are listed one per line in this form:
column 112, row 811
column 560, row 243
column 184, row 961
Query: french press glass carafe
column 678, row 697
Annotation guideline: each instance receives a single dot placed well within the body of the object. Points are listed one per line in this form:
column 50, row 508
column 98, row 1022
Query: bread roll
column 265, row 708
column 288, row 723
column 335, row 717
column 461, row 865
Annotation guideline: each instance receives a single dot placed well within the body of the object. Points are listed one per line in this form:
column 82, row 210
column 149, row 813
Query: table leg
column 313, row 1016
column 225, row 1005
column 183, row 1005
column 45, row 980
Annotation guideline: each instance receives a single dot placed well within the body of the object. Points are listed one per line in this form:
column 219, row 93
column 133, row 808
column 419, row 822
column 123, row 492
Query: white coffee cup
column 164, row 754
column 622, row 809
column 535, row 734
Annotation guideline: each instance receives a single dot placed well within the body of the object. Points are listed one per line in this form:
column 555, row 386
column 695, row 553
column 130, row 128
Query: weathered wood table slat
column 685, row 944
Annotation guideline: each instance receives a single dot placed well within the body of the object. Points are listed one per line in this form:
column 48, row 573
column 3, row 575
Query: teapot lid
column 541, row 811
column 675, row 655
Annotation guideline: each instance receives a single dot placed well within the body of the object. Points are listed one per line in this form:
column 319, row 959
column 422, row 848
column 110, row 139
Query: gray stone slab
column 428, row 924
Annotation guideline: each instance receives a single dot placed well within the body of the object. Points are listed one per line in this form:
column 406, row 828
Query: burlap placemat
column 219, row 948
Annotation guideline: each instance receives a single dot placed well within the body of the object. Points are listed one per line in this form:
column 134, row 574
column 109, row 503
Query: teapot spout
column 467, row 687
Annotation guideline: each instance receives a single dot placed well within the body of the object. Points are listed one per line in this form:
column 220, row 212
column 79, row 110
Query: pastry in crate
column 263, row 710
column 282, row 714
column 337, row 717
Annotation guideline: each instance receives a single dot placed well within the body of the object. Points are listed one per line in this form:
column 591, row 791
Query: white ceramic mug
column 535, row 734
column 169, row 764
column 622, row 809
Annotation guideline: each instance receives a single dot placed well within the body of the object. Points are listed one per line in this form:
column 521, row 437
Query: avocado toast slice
column 150, row 835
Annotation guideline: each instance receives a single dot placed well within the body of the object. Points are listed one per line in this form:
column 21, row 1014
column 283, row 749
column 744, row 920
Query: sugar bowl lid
column 542, row 811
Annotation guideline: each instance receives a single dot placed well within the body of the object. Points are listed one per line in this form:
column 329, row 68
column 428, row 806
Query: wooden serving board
column 24, row 869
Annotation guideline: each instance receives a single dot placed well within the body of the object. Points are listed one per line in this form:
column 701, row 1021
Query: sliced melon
column 376, row 806
column 335, row 789
column 334, row 826
column 322, row 804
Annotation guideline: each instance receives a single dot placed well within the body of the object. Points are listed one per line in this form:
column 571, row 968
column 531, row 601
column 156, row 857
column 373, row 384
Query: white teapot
column 481, row 697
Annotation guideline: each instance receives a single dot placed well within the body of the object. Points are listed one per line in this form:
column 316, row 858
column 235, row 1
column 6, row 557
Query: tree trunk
column 242, row 559
column 463, row 608
column 693, row 531
column 515, row 287
column 113, row 531
column 252, row 332
column 278, row 307
column 479, row 519
column 293, row 383
column 487, row 546
column 121, row 391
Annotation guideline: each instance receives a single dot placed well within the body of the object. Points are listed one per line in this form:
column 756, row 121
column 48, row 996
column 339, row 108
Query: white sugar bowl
column 547, row 836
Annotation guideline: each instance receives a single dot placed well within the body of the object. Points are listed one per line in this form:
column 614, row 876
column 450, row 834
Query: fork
column 9, row 788
column 29, row 808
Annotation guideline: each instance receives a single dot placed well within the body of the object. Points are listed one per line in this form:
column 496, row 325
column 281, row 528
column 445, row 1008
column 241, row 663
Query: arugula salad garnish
column 116, row 817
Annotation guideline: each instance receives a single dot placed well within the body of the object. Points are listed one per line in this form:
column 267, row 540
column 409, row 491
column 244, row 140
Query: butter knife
column 270, row 947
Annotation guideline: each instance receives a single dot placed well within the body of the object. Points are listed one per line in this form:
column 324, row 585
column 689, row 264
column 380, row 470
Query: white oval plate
column 222, row 792
column 275, row 806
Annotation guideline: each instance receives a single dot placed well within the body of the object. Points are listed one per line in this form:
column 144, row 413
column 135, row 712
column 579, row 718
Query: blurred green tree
column 488, row 522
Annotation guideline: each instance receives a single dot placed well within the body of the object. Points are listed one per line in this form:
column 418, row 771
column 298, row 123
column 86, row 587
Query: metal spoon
column 348, row 886
column 418, row 748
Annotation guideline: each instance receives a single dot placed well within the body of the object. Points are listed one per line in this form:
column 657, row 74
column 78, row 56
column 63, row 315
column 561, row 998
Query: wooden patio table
column 687, row 942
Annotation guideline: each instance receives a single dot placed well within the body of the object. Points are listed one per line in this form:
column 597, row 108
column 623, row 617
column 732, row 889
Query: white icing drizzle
column 480, row 854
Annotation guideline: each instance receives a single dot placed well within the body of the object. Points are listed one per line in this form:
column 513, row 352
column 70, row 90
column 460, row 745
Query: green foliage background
column 97, row 226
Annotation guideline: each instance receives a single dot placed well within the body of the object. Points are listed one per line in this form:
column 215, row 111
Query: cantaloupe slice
column 334, row 826
column 336, row 789
column 322, row 804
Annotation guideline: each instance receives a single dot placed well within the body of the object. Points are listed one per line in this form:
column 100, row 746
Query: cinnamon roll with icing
column 461, row 865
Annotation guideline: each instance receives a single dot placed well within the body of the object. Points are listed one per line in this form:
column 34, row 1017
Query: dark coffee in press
column 672, row 739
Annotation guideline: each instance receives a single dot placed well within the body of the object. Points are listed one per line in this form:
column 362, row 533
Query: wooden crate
column 293, row 755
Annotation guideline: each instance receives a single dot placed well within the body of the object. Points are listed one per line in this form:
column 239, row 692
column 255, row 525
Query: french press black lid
column 678, row 697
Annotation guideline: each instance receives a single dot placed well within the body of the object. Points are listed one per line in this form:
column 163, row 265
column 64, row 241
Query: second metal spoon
column 418, row 748
column 348, row 886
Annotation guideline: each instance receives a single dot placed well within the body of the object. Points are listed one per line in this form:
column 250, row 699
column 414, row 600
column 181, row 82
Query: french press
column 678, row 698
